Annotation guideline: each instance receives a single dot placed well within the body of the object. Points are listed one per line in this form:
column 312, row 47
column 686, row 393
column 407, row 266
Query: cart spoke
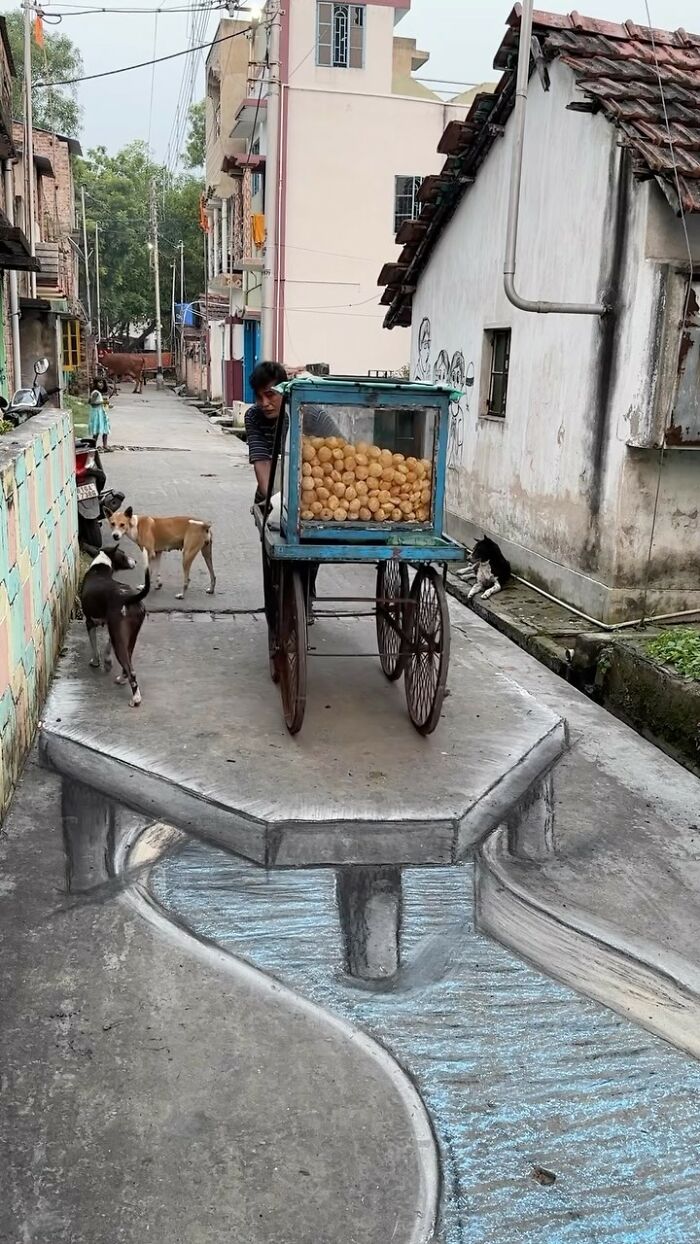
column 391, row 613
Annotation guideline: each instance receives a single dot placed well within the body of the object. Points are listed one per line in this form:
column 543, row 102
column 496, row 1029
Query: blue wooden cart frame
column 412, row 621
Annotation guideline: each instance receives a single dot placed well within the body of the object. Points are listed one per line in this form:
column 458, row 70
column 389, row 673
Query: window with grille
column 71, row 344
column 340, row 35
column 406, row 205
column 256, row 183
column 498, row 352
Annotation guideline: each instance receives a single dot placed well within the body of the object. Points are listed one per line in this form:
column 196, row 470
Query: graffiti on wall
column 447, row 370
column 424, row 344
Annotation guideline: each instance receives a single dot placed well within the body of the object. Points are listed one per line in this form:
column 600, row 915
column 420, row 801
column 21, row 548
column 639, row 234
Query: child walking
column 99, row 419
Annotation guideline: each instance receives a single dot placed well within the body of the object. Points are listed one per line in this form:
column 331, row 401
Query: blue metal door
column 251, row 354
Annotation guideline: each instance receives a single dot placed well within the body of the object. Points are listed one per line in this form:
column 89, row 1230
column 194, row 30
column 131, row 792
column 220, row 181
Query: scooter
column 95, row 503
column 28, row 402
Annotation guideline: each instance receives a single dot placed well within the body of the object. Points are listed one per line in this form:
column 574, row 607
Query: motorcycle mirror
column 41, row 367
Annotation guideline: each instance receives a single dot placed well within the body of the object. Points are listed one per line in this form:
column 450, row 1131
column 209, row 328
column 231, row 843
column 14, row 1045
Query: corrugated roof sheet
column 646, row 82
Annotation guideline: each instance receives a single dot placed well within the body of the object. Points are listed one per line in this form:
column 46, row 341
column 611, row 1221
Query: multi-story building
column 52, row 322
column 357, row 135
column 15, row 251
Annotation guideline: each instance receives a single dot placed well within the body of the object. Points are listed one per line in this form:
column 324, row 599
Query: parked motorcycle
column 28, row 402
column 95, row 503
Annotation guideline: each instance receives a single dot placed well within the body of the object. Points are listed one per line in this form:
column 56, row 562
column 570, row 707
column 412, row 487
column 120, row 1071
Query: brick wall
column 38, row 571
column 54, row 198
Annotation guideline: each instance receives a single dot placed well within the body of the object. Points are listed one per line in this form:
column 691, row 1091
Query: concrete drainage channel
column 557, row 1121
column 611, row 668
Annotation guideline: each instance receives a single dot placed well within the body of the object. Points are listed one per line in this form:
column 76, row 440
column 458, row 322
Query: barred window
column 406, row 205
column 340, row 35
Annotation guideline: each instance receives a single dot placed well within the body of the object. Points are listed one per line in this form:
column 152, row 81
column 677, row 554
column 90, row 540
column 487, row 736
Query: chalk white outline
column 136, row 895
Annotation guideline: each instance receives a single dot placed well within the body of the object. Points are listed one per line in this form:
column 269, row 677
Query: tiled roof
column 638, row 78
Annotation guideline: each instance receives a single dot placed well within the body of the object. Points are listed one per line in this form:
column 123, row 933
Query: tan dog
column 165, row 535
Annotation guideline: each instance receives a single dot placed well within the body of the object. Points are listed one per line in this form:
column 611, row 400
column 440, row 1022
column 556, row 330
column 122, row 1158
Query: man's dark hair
column 265, row 375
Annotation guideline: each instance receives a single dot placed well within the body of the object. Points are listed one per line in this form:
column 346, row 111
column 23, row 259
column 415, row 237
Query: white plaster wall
column 531, row 479
column 216, row 346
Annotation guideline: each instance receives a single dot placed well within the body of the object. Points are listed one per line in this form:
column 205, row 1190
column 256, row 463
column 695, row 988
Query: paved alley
column 185, row 1058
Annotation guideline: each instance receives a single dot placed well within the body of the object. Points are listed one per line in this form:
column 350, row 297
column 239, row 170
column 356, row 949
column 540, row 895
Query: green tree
column 195, row 147
column 117, row 192
column 55, row 108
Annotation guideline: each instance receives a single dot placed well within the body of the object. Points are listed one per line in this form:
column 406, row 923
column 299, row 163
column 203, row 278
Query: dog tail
column 133, row 598
column 207, row 532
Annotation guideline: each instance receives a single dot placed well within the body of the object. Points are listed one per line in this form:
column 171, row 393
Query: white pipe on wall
column 518, row 123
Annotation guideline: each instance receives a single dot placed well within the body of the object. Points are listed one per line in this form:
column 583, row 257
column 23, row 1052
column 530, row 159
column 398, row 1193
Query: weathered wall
column 38, row 568
column 217, row 330
column 551, row 480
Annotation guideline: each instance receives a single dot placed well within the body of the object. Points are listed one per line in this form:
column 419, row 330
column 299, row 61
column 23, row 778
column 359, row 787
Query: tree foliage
column 117, row 194
column 55, row 108
column 196, row 148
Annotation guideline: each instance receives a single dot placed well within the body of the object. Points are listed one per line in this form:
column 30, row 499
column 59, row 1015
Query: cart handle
column 276, row 446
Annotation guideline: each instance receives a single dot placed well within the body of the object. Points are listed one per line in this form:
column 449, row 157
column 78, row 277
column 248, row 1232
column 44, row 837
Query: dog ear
column 128, row 513
column 89, row 550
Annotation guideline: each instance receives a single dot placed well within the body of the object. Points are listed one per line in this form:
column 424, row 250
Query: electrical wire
column 153, row 80
column 97, row 11
column 110, row 73
column 686, row 307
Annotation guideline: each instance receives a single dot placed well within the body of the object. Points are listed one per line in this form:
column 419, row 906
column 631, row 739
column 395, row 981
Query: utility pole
column 182, row 310
column 156, row 274
column 87, row 263
column 272, row 177
column 97, row 280
column 172, row 311
column 29, row 137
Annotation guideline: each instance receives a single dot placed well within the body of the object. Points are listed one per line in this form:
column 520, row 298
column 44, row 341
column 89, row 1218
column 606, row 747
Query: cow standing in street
column 124, row 366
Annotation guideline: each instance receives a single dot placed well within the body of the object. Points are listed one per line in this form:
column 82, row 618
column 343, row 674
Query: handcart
column 371, row 491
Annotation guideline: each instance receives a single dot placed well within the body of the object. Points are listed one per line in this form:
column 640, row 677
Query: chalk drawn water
column 517, row 1072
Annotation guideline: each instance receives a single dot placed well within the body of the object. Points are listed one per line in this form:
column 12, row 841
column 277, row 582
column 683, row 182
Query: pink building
column 358, row 133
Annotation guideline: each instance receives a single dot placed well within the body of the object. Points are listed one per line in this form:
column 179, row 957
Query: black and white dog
column 107, row 602
column 491, row 568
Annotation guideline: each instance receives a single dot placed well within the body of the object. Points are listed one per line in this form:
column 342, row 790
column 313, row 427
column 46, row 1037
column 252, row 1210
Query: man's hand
column 262, row 475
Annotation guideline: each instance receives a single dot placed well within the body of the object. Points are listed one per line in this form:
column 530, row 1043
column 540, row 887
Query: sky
column 461, row 35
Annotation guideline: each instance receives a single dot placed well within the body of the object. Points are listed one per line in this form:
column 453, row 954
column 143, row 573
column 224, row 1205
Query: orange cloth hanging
column 203, row 218
column 257, row 226
column 39, row 31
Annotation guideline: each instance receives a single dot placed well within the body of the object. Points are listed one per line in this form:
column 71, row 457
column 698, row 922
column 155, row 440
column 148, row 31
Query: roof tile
column 645, row 81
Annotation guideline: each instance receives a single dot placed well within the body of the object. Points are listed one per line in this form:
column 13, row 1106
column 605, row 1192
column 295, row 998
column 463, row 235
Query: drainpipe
column 521, row 85
column 269, row 316
column 9, row 180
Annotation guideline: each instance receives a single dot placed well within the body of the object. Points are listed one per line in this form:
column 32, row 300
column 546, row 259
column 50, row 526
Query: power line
column 153, row 79
column 144, row 64
column 94, row 10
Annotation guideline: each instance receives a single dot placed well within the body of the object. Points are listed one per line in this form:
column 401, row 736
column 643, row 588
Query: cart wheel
column 273, row 656
column 392, row 616
column 291, row 649
column 429, row 653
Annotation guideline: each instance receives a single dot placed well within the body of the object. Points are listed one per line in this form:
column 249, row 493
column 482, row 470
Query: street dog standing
column 491, row 567
column 156, row 536
column 107, row 602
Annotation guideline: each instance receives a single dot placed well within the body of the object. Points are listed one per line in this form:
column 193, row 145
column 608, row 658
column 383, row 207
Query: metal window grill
column 498, row 380
column 340, row 35
column 406, row 205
